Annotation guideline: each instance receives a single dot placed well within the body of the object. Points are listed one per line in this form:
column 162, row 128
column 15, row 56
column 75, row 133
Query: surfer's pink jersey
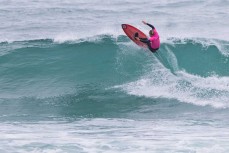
column 155, row 40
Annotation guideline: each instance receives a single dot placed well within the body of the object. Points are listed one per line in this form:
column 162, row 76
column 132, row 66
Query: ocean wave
column 190, row 70
column 188, row 53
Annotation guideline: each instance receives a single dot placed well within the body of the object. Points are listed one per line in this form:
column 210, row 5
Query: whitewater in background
column 71, row 81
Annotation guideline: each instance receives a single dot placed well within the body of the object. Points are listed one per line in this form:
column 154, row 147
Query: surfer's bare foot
column 136, row 38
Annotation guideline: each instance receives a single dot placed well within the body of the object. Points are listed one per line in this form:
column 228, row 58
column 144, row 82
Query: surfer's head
column 151, row 33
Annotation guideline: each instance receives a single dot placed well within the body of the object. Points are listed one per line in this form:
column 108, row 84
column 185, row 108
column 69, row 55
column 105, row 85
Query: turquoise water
column 71, row 81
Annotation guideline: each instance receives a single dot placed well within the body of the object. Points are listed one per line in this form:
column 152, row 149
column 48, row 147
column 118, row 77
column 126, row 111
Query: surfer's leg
column 147, row 41
column 144, row 40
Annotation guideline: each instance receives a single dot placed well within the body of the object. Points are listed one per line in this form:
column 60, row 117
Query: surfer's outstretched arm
column 151, row 26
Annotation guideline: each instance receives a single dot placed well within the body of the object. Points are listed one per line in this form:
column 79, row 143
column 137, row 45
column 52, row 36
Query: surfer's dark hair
column 151, row 32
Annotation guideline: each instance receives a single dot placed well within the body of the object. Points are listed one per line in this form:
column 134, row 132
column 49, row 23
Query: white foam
column 91, row 35
column 114, row 135
column 183, row 87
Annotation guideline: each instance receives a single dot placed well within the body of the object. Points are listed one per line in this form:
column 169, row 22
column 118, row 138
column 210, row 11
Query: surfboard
column 130, row 32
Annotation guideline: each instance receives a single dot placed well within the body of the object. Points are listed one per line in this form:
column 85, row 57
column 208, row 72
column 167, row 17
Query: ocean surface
column 71, row 81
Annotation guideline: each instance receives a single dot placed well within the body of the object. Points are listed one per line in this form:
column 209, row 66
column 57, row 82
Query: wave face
column 193, row 71
column 71, row 81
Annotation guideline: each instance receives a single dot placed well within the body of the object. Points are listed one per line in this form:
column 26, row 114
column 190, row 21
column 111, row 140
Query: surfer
column 153, row 42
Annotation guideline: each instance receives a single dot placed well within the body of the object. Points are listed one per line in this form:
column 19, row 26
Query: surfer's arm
column 148, row 25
